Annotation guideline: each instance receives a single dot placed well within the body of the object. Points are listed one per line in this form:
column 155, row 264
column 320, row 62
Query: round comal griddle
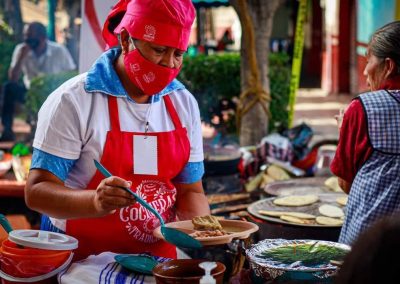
column 268, row 205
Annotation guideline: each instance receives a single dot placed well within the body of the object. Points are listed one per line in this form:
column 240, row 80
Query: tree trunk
column 255, row 87
column 51, row 27
column 73, row 34
column 13, row 17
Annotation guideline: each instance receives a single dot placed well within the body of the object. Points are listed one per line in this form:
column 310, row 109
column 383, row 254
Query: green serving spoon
column 171, row 235
column 7, row 226
column 139, row 263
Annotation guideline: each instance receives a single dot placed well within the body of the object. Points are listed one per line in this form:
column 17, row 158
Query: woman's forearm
column 47, row 194
column 191, row 201
column 60, row 202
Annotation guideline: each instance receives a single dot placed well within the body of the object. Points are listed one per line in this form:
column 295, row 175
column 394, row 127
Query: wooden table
column 17, row 222
column 12, row 201
column 9, row 187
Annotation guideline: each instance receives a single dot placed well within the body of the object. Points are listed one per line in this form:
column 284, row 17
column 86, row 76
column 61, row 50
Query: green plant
column 211, row 78
column 41, row 87
column 216, row 77
column 279, row 75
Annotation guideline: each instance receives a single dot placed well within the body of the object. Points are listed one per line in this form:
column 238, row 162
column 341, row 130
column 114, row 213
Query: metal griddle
column 268, row 205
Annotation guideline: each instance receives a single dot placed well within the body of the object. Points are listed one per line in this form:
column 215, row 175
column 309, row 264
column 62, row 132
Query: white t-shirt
column 73, row 124
column 55, row 59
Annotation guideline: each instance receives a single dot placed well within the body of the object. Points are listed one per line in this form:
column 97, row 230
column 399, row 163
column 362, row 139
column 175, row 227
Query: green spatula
column 173, row 236
column 5, row 224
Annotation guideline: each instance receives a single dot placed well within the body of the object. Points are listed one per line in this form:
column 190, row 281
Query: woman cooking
column 129, row 113
column 367, row 159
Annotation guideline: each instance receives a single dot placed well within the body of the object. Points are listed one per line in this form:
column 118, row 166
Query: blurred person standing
column 34, row 57
column 225, row 40
column 367, row 159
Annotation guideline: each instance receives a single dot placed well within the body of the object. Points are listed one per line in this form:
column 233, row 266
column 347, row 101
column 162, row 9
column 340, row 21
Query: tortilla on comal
column 333, row 184
column 296, row 220
column 331, row 211
column 296, row 200
column 300, row 215
column 342, row 200
column 322, row 220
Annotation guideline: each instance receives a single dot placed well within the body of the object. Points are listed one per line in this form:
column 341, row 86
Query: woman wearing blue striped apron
column 367, row 159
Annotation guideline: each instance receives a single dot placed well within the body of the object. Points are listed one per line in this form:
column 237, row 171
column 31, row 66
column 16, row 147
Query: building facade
column 348, row 26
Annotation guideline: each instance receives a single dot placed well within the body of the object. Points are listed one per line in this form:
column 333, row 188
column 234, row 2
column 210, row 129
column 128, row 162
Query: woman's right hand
column 110, row 196
column 339, row 118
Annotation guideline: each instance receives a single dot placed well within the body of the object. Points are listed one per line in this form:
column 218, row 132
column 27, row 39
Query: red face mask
column 149, row 77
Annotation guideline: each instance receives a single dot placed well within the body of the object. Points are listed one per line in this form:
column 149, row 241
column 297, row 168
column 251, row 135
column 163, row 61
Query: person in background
column 34, row 57
column 129, row 113
column 367, row 159
column 225, row 40
column 373, row 257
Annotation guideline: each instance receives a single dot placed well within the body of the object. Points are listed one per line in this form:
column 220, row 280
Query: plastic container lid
column 43, row 239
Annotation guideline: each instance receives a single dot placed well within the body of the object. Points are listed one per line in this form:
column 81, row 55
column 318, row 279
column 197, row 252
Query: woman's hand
column 339, row 118
column 110, row 196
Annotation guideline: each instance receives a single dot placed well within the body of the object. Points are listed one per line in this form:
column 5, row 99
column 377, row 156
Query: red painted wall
column 343, row 56
column 335, row 68
column 362, row 83
column 314, row 67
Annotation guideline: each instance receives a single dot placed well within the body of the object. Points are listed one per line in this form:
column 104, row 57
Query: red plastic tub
column 29, row 262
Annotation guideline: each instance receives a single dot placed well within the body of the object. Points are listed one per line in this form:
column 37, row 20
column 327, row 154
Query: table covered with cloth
column 103, row 269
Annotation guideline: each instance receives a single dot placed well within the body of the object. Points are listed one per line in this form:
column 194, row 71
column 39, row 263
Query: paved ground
column 317, row 109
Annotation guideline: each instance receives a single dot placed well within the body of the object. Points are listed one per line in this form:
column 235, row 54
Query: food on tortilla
column 331, row 211
column 300, row 215
column 296, row 200
column 277, row 173
column 206, row 223
column 322, row 220
column 333, row 184
column 296, row 220
column 208, row 234
column 342, row 200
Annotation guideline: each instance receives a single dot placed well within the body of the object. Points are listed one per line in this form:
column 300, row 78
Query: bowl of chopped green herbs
column 284, row 260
